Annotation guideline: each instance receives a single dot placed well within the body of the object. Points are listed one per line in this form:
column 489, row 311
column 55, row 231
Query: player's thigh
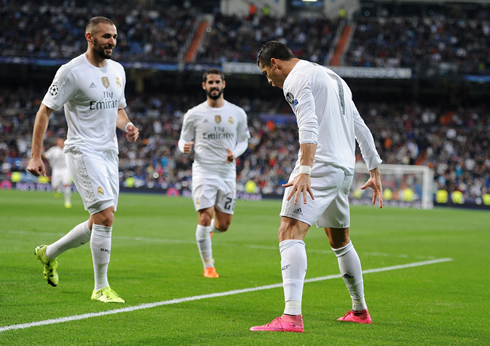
column 204, row 195
column 226, row 197
column 325, row 184
column 95, row 175
column 337, row 214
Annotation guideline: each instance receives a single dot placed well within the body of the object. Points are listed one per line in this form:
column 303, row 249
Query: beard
column 214, row 97
column 100, row 50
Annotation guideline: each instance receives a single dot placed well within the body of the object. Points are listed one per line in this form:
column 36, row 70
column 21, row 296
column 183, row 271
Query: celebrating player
column 219, row 129
column 91, row 89
column 317, row 191
column 60, row 178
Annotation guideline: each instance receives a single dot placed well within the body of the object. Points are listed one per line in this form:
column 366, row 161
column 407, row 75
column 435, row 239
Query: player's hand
column 300, row 184
column 374, row 183
column 132, row 134
column 36, row 167
column 230, row 156
column 188, row 147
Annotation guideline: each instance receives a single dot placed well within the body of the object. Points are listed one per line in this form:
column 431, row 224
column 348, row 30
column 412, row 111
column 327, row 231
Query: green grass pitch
column 155, row 259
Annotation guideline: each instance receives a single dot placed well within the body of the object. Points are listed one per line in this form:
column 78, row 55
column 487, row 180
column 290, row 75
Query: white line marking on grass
column 177, row 241
column 205, row 296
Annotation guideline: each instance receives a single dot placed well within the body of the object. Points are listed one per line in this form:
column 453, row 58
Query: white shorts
column 330, row 186
column 213, row 193
column 60, row 177
column 96, row 176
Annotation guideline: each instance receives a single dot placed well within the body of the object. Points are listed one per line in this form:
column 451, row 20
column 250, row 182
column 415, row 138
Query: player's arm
column 308, row 139
column 186, row 134
column 36, row 164
column 123, row 123
column 370, row 156
column 242, row 145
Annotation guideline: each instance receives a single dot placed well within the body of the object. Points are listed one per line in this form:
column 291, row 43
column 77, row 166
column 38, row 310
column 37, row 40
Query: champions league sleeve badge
column 290, row 98
column 53, row 89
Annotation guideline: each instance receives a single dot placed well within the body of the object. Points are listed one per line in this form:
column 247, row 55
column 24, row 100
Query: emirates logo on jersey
column 217, row 118
column 105, row 82
column 230, row 120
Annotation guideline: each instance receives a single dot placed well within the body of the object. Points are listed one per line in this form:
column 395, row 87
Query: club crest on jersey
column 217, row 118
column 197, row 201
column 105, row 82
column 100, row 191
column 53, row 90
column 118, row 82
column 230, row 120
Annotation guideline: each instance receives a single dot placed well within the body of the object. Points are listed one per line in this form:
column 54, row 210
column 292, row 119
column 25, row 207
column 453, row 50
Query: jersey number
column 229, row 204
column 341, row 92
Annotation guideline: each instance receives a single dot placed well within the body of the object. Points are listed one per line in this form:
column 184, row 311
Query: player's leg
column 293, row 266
column 204, row 244
column 221, row 222
column 225, row 206
column 79, row 235
column 66, row 188
column 106, row 178
column 336, row 221
column 204, row 196
column 56, row 183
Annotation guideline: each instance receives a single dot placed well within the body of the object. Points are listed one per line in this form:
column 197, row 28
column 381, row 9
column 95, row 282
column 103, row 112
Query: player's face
column 273, row 74
column 214, row 86
column 105, row 39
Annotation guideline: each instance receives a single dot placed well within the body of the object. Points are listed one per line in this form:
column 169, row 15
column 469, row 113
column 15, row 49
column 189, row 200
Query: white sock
column 203, row 240
column 351, row 271
column 293, row 267
column 79, row 235
column 213, row 229
column 100, row 244
column 67, row 193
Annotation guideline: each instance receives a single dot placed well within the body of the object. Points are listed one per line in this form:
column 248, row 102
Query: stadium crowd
column 448, row 44
column 49, row 31
column 454, row 142
column 441, row 41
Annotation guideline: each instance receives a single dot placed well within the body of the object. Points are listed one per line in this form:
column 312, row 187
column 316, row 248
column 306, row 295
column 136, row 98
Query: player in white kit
column 91, row 89
column 60, row 177
column 218, row 131
column 328, row 126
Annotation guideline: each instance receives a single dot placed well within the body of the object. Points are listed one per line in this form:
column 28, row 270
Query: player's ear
column 224, row 84
column 273, row 63
column 204, row 85
column 88, row 36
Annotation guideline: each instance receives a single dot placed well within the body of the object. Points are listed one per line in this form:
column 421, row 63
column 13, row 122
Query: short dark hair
column 276, row 50
column 212, row 70
column 93, row 22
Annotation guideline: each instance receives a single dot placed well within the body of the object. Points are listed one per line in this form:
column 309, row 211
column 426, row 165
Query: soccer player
column 317, row 190
column 219, row 129
column 91, row 89
column 60, row 178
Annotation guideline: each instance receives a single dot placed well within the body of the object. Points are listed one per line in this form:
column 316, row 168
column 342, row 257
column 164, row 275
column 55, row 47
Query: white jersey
column 91, row 97
column 56, row 157
column 214, row 130
column 327, row 116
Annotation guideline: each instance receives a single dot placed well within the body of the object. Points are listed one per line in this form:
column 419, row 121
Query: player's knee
column 223, row 226
column 104, row 218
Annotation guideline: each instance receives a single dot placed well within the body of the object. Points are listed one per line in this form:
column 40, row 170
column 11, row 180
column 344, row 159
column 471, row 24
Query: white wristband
column 305, row 170
column 126, row 127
